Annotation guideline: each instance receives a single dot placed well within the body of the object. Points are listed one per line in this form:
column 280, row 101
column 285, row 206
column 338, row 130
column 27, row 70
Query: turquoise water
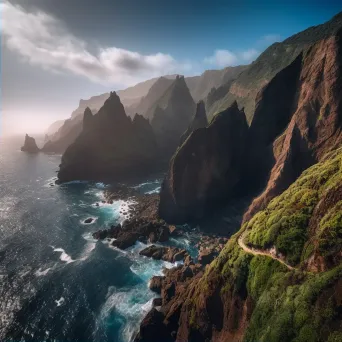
column 57, row 282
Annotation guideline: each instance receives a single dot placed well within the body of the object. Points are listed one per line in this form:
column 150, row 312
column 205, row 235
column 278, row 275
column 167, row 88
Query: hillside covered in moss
column 285, row 285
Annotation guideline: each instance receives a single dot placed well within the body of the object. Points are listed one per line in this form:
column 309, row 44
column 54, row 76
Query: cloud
column 270, row 39
column 42, row 40
column 250, row 55
column 224, row 58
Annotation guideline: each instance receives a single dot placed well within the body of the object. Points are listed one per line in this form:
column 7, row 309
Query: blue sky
column 56, row 52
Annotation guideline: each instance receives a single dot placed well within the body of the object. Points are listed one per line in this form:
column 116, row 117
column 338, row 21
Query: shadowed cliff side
column 315, row 126
column 199, row 121
column 279, row 277
column 205, row 169
column 30, row 145
column 171, row 115
column 110, row 147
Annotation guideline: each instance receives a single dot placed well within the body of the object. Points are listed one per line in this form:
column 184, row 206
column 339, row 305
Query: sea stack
column 30, row 145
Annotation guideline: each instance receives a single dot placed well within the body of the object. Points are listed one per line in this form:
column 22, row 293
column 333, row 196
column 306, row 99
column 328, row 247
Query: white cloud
column 270, row 38
column 250, row 55
column 42, row 40
column 224, row 58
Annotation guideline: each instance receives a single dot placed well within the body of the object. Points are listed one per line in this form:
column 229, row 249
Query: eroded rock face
column 314, row 123
column 199, row 121
column 110, row 147
column 245, row 296
column 205, row 169
column 171, row 115
column 30, row 145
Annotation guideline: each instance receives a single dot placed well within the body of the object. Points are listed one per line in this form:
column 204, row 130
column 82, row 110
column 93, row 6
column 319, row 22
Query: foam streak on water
column 56, row 282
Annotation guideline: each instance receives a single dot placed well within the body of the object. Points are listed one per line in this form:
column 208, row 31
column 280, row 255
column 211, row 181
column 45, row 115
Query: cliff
column 277, row 279
column 171, row 115
column 30, row 145
column 199, row 121
column 297, row 119
column 110, row 147
column 247, row 85
column 205, row 169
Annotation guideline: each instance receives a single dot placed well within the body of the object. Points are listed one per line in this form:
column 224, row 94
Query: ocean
column 56, row 282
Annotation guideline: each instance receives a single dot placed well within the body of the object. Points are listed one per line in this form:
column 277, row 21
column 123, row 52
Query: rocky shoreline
column 143, row 224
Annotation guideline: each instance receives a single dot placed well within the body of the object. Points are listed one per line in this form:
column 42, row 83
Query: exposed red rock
column 316, row 118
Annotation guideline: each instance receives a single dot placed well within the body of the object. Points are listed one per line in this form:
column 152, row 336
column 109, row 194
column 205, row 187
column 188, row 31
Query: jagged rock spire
column 87, row 118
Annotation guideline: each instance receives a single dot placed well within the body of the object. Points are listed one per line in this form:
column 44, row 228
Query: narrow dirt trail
column 259, row 252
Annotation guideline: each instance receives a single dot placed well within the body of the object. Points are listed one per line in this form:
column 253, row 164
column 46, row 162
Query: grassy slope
column 295, row 305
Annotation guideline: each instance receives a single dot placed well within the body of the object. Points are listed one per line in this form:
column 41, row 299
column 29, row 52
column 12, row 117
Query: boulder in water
column 30, row 145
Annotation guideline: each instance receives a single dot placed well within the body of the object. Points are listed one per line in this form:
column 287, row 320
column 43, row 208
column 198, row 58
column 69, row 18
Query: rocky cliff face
column 65, row 136
column 280, row 275
column 296, row 121
column 279, row 55
column 30, row 145
column 315, row 119
column 200, row 86
column 199, row 121
column 110, row 147
column 275, row 280
column 206, row 168
column 154, row 94
column 171, row 115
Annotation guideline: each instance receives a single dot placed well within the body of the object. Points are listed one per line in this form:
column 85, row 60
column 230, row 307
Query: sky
column 55, row 52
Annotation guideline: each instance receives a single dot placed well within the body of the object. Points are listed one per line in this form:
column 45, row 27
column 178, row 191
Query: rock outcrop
column 248, row 84
column 127, row 234
column 206, row 169
column 199, row 121
column 244, row 295
column 315, row 120
column 275, row 279
column 171, row 115
column 170, row 254
column 113, row 147
column 87, row 119
column 30, row 145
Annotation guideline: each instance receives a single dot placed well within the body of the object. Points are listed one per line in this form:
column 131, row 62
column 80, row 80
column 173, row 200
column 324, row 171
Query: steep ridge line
column 260, row 252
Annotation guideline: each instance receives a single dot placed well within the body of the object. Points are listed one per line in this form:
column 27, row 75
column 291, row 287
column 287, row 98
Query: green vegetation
column 330, row 231
column 287, row 305
column 284, row 223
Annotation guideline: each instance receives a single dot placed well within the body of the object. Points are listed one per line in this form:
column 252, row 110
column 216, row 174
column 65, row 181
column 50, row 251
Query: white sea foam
column 94, row 219
column 64, row 256
column 100, row 185
column 116, row 209
column 155, row 191
column 60, row 301
column 133, row 304
column 90, row 246
column 41, row 272
column 157, row 181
